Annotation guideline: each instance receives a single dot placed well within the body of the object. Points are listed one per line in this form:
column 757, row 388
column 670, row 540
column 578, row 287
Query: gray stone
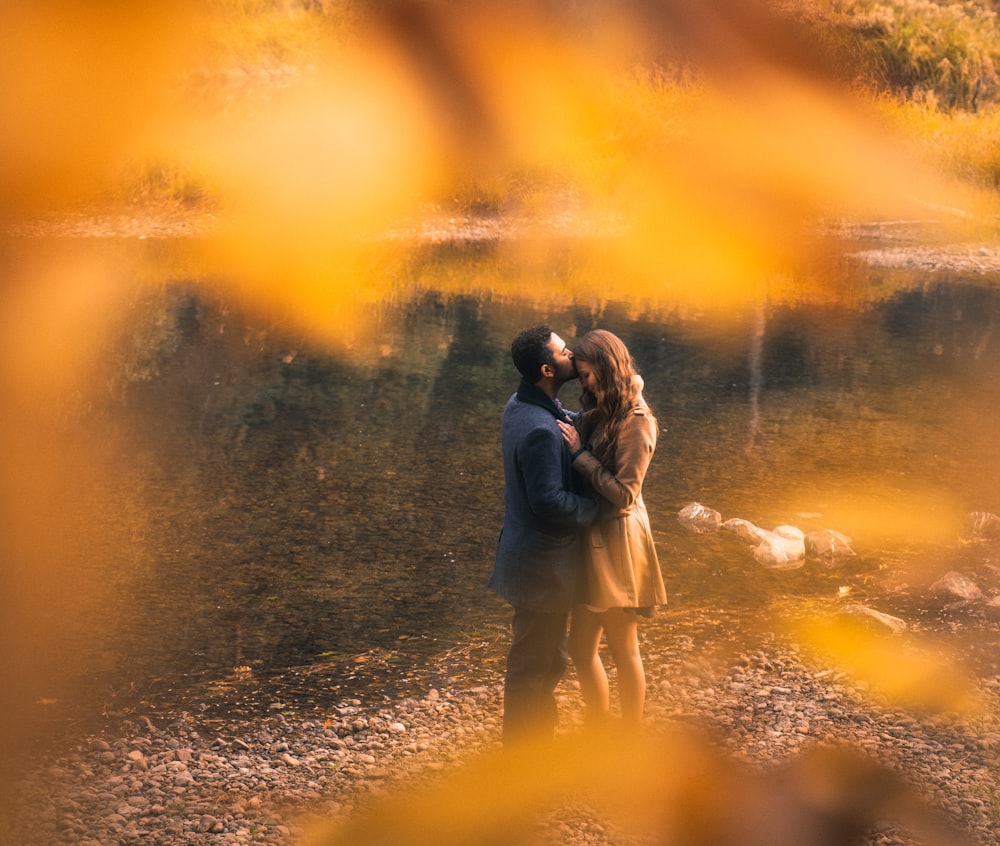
column 983, row 524
column 957, row 586
column 828, row 543
column 699, row 519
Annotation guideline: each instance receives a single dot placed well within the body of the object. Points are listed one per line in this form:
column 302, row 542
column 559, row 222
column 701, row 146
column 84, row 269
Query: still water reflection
column 269, row 500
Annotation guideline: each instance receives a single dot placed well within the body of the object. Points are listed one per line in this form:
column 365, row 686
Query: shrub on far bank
column 945, row 54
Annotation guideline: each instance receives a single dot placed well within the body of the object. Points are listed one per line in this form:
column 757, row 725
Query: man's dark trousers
column 535, row 664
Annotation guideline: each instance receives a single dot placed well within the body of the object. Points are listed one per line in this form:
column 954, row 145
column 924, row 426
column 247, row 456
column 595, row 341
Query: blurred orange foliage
column 428, row 97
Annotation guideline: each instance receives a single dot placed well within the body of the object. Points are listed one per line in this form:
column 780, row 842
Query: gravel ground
column 184, row 777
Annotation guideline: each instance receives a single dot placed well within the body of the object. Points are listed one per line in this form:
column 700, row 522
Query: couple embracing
column 576, row 535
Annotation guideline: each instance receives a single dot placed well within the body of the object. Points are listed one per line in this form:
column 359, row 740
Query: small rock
column 983, row 524
column 957, row 586
column 209, row 825
column 699, row 519
column 828, row 543
column 873, row 618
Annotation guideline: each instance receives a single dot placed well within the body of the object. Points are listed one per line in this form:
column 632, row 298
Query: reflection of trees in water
column 306, row 501
column 954, row 322
column 755, row 366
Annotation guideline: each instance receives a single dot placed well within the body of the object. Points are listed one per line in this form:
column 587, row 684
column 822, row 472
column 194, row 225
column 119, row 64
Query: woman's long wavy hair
column 621, row 386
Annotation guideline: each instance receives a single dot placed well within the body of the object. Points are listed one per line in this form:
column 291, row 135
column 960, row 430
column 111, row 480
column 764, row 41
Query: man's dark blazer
column 538, row 554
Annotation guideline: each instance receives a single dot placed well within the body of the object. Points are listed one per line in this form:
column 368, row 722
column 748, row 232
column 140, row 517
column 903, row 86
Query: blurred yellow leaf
column 676, row 787
column 906, row 670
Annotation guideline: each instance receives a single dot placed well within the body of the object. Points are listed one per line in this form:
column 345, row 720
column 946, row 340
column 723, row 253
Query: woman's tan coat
column 619, row 556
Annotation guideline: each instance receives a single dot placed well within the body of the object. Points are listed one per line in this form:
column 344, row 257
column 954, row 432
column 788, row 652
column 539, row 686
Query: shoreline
column 185, row 777
column 896, row 245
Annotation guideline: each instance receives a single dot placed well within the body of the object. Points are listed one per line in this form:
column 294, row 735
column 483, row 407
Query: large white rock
column 790, row 532
column 779, row 552
column 745, row 530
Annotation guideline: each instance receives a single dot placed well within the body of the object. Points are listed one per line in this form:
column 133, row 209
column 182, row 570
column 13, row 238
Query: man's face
column 564, row 367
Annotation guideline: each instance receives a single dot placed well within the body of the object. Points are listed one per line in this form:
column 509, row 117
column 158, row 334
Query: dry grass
column 962, row 144
column 930, row 66
column 269, row 33
column 944, row 53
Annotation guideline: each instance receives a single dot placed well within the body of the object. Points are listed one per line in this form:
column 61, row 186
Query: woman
column 612, row 444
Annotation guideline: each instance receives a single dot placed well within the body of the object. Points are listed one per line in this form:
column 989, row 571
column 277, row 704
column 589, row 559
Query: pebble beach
column 182, row 777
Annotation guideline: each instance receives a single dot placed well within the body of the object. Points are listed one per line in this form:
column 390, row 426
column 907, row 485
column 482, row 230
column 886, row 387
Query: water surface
column 253, row 497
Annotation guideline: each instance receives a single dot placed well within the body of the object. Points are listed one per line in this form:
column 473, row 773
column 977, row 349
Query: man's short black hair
column 530, row 350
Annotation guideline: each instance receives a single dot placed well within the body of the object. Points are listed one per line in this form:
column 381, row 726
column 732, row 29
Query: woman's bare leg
column 584, row 644
column 622, row 631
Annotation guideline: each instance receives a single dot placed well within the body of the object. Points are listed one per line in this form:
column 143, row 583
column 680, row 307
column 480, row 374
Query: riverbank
column 190, row 774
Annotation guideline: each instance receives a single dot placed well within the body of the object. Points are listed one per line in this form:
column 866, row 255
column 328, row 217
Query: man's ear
column 548, row 370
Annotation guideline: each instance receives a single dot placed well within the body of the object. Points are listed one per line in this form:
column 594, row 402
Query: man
column 538, row 554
